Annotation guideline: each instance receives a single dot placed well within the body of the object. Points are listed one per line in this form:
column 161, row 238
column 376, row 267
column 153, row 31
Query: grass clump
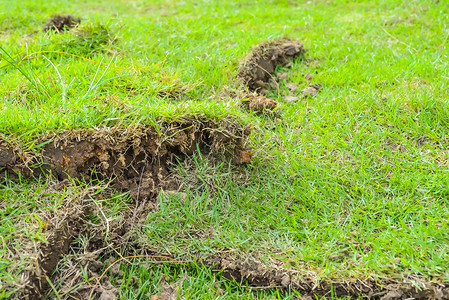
column 86, row 39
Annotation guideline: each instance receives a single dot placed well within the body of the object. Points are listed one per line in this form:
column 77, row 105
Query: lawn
column 346, row 194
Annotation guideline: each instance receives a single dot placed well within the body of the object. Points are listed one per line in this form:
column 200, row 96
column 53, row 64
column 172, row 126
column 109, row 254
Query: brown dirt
column 60, row 23
column 249, row 271
column 7, row 156
column 258, row 68
column 138, row 158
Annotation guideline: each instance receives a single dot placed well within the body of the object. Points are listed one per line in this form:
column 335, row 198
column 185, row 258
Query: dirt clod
column 290, row 98
column 259, row 66
column 311, row 90
column 241, row 157
column 60, row 23
column 7, row 156
column 107, row 292
column 260, row 104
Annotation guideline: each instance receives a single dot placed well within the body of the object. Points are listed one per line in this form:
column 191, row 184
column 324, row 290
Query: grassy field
column 349, row 186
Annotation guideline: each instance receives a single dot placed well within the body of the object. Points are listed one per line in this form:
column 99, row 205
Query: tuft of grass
column 86, row 39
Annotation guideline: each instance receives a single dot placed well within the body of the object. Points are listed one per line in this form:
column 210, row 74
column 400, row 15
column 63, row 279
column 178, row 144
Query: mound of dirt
column 258, row 68
column 60, row 23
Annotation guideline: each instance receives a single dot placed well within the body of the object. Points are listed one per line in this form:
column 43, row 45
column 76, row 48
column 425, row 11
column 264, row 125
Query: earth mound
column 258, row 68
column 60, row 23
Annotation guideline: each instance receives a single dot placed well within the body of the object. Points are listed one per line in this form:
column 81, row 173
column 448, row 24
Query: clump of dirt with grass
column 258, row 67
column 138, row 158
column 259, row 103
column 257, row 72
column 60, row 23
column 84, row 39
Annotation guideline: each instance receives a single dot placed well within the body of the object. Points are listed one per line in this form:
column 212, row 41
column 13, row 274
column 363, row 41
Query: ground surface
column 337, row 186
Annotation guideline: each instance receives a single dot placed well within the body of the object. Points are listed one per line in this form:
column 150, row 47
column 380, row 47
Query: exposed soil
column 258, row 73
column 258, row 68
column 7, row 156
column 248, row 270
column 60, row 23
column 139, row 158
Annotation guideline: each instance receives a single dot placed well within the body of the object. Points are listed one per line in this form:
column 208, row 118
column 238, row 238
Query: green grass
column 350, row 184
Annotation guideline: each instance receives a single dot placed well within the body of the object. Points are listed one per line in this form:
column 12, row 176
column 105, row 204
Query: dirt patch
column 60, row 23
column 251, row 271
column 138, row 158
column 258, row 68
column 60, row 233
